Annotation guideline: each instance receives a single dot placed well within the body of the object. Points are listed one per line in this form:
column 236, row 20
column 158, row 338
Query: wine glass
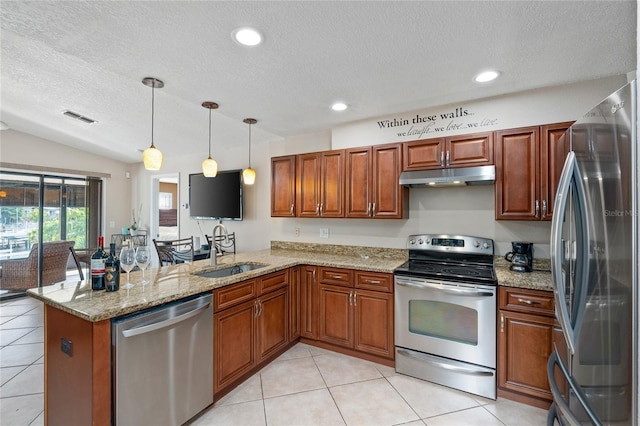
column 127, row 262
column 142, row 260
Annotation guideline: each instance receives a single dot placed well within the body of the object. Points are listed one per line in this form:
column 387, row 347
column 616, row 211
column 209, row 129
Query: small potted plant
column 133, row 229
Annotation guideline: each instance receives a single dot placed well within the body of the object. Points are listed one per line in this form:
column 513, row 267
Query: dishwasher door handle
column 162, row 324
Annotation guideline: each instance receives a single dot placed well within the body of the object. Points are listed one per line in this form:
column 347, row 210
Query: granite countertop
column 174, row 282
column 538, row 279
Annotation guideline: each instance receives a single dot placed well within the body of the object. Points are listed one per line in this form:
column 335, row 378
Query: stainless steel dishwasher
column 163, row 363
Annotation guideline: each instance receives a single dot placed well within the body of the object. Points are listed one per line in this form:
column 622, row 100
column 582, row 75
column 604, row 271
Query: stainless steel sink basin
column 230, row 270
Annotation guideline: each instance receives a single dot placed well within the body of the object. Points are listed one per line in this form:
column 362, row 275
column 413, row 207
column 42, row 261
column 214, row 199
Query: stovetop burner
column 450, row 258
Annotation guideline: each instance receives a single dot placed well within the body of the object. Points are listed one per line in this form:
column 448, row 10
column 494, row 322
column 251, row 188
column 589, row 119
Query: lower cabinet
column 527, row 330
column 356, row 318
column 250, row 331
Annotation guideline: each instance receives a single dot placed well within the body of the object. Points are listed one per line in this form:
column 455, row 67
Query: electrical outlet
column 324, row 232
column 66, row 346
column 297, row 231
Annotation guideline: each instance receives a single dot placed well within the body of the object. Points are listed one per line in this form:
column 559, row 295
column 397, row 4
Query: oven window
column 444, row 320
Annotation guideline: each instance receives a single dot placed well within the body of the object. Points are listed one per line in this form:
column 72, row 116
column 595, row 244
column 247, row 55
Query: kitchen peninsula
column 78, row 381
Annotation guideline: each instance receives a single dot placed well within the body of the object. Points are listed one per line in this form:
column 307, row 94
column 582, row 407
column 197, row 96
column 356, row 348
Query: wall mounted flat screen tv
column 217, row 197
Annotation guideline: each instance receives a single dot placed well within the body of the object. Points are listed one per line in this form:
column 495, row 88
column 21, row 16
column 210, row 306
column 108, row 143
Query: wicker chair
column 171, row 252
column 22, row 274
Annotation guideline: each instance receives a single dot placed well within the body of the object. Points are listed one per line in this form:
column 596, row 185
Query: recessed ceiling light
column 339, row 106
column 247, row 36
column 486, row 76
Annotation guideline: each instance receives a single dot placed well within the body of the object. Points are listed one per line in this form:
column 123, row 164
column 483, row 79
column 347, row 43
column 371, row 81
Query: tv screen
column 217, row 197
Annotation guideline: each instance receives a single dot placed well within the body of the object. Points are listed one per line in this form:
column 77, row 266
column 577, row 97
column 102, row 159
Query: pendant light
column 152, row 157
column 210, row 166
column 248, row 174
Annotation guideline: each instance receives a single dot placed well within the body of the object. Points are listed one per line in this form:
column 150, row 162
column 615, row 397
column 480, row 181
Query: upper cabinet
column 320, row 184
column 456, row 151
column 283, row 186
column 372, row 182
column 529, row 161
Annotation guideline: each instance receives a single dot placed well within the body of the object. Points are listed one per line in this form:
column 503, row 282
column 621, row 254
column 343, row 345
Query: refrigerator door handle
column 556, row 249
column 560, row 404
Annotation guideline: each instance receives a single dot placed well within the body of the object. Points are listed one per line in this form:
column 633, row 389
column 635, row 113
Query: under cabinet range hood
column 482, row 175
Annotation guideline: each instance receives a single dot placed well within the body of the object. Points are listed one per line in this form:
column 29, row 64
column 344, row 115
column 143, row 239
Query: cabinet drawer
column 528, row 301
column 374, row 281
column 228, row 296
column 273, row 281
column 336, row 276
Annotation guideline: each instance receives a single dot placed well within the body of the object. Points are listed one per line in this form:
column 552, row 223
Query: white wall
column 22, row 148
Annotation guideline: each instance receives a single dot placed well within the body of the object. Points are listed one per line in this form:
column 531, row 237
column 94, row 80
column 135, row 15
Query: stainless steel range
column 445, row 312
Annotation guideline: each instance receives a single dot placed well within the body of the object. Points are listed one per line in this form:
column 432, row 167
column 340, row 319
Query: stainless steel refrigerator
column 594, row 258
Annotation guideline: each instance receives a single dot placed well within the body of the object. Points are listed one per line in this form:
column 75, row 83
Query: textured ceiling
column 379, row 57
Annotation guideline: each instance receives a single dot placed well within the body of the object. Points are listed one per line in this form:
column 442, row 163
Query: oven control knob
column 486, row 245
column 412, row 242
column 420, row 241
column 476, row 243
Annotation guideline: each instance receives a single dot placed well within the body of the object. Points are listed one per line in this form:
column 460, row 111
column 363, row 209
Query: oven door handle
column 440, row 364
column 446, row 288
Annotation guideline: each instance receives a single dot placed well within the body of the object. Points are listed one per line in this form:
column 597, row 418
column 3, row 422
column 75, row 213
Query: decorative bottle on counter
column 97, row 266
column 112, row 270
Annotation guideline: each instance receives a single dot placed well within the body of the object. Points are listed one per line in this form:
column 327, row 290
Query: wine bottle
column 97, row 266
column 112, row 270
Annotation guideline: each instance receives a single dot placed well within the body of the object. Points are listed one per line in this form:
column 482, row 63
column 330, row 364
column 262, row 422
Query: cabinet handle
column 355, row 300
column 291, row 209
column 336, row 277
column 261, row 308
column 528, row 302
column 372, row 281
column 314, row 275
column 317, row 209
column 544, row 208
column 501, row 323
column 369, row 209
column 255, row 305
column 442, row 158
column 537, row 208
column 321, row 208
column 448, row 163
column 373, row 209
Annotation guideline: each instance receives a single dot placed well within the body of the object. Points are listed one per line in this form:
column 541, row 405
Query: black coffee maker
column 521, row 257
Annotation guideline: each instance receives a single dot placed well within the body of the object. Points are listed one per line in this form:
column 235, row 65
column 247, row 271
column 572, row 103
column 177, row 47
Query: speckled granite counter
column 539, row 279
column 170, row 283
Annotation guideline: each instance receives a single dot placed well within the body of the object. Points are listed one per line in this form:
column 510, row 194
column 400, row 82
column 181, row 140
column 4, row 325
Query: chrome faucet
column 213, row 251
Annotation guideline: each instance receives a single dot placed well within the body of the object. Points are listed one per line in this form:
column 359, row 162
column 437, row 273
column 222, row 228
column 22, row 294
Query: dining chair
column 171, row 252
column 222, row 245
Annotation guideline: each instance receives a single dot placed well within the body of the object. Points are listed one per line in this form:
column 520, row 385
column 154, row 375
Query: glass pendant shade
column 210, row 167
column 249, row 176
column 152, row 158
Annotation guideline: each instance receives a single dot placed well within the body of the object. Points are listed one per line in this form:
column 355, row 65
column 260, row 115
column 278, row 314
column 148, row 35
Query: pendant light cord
column 153, row 102
column 209, row 132
column 249, row 145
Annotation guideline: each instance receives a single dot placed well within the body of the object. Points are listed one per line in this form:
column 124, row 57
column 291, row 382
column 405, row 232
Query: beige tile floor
column 304, row 386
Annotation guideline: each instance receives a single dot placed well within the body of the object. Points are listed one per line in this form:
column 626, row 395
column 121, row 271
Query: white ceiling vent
column 79, row 117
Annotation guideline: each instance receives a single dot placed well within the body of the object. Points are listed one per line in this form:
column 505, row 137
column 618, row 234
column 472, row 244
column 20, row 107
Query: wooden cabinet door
column 294, row 303
column 389, row 197
column 524, row 345
column 373, row 323
column 233, row 343
column 332, row 184
column 469, row 150
column 308, row 302
column 335, row 316
column 283, row 186
column 518, row 174
column 423, row 154
column 272, row 331
column 308, row 185
column 553, row 149
column 358, row 197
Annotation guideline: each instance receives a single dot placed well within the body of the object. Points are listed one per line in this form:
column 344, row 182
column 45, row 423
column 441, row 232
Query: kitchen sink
column 230, row 270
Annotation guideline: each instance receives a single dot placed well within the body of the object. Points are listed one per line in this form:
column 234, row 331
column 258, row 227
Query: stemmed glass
column 127, row 262
column 142, row 260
